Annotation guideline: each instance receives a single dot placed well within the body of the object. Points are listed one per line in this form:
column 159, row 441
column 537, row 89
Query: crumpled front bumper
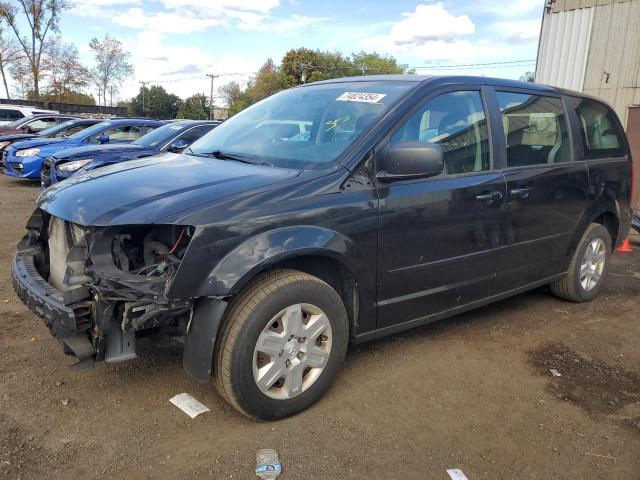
column 67, row 322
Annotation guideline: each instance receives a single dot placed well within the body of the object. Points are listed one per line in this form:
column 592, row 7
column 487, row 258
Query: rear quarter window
column 600, row 130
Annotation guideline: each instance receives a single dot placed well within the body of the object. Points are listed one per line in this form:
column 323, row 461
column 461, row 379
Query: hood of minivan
column 145, row 191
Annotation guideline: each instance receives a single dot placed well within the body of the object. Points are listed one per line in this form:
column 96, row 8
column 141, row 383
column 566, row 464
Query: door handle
column 523, row 192
column 490, row 197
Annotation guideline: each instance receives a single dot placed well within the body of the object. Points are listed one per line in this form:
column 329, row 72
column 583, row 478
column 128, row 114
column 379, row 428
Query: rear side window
column 599, row 129
column 535, row 129
column 456, row 121
column 195, row 133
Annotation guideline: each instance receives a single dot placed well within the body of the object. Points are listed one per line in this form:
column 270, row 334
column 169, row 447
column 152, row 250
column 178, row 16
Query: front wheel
column 283, row 342
column 588, row 267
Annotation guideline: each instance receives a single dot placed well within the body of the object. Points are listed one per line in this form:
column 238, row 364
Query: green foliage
column 157, row 103
column 528, row 77
column 196, row 107
column 268, row 80
column 303, row 65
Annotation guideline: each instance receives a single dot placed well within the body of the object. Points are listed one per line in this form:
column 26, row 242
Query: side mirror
column 103, row 139
column 177, row 146
column 409, row 160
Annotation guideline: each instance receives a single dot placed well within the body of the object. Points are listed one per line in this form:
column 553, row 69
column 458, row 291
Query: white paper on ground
column 188, row 405
column 456, row 474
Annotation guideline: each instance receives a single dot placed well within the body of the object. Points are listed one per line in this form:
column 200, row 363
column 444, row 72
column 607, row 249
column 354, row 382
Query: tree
column 10, row 55
column 41, row 17
column 112, row 64
column 66, row 75
column 376, row 64
column 157, row 103
column 315, row 65
column 196, row 107
column 70, row 96
column 303, row 65
column 268, row 80
column 22, row 77
column 528, row 77
column 235, row 97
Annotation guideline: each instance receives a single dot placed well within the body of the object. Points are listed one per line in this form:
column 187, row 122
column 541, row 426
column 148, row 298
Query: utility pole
column 211, row 76
column 303, row 75
column 111, row 96
column 144, row 86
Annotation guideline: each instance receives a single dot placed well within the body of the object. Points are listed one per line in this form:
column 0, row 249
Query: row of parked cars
column 332, row 213
column 53, row 147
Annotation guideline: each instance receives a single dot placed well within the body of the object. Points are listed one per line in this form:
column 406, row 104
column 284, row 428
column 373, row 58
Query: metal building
column 593, row 46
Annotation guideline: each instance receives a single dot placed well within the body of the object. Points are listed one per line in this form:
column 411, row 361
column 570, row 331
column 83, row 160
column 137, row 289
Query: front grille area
column 62, row 236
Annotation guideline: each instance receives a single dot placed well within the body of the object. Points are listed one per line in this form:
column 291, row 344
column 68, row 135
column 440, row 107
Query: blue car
column 24, row 159
column 173, row 137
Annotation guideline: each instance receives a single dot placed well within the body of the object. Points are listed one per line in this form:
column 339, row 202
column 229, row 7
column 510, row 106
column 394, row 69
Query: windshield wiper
column 234, row 156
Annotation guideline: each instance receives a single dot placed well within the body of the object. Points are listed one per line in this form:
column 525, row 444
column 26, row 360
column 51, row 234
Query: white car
column 9, row 113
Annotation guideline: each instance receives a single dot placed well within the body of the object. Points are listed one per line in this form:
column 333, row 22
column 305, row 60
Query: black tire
column 250, row 312
column 569, row 287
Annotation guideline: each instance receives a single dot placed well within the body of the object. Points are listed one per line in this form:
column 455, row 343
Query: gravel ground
column 472, row 392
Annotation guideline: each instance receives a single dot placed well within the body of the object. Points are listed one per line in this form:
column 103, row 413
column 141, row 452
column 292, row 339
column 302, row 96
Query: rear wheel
column 588, row 267
column 284, row 340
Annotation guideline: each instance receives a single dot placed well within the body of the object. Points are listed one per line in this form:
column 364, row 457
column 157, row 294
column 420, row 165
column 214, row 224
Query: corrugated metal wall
column 563, row 5
column 593, row 46
column 613, row 66
column 564, row 48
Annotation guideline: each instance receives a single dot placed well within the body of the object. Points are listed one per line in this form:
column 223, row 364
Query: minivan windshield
column 306, row 128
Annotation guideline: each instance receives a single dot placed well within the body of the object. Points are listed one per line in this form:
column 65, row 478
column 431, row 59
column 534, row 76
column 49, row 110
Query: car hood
column 37, row 142
column 15, row 136
column 100, row 152
column 145, row 191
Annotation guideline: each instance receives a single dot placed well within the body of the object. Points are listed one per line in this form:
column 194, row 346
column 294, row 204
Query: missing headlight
column 151, row 251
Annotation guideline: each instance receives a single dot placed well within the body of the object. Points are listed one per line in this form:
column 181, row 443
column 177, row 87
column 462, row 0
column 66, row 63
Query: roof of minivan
column 452, row 79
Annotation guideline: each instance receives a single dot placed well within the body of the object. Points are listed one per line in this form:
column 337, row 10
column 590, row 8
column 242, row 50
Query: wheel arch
column 318, row 251
column 604, row 214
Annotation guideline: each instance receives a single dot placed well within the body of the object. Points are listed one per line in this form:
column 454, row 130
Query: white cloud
column 519, row 32
column 510, row 8
column 188, row 16
column 165, row 22
column 430, row 23
column 179, row 69
column 431, row 33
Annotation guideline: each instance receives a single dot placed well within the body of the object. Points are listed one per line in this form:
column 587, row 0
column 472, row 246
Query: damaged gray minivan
column 333, row 213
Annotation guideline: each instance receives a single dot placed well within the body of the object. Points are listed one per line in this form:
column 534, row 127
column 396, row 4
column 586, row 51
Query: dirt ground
column 473, row 392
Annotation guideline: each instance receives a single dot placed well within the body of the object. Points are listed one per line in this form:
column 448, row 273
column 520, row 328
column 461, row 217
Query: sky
column 175, row 43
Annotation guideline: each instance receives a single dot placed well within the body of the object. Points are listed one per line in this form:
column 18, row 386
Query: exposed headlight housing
column 73, row 166
column 3, row 144
column 29, row 152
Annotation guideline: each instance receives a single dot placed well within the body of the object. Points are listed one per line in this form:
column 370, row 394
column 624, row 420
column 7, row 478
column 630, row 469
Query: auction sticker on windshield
column 361, row 97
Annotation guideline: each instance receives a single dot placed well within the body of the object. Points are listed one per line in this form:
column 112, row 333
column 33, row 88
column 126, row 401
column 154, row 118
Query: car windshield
column 58, row 128
column 159, row 136
column 19, row 122
column 305, row 128
column 87, row 132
